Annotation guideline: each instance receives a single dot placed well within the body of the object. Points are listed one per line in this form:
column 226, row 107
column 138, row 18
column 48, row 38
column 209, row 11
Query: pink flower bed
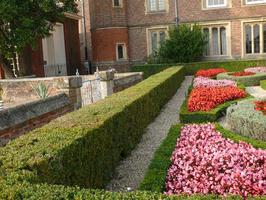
column 207, row 82
column 256, row 69
column 204, row 162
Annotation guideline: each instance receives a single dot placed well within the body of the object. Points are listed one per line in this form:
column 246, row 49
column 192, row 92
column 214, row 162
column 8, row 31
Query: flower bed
column 256, row 69
column 260, row 106
column 207, row 82
column 245, row 120
column 205, row 99
column 243, row 74
column 210, row 72
column 204, row 162
column 253, row 80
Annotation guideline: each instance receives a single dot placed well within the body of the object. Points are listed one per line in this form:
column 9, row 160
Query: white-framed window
column 255, row 38
column 121, row 51
column 156, row 37
column 216, row 3
column 217, row 40
column 156, row 5
column 118, row 3
column 255, row 1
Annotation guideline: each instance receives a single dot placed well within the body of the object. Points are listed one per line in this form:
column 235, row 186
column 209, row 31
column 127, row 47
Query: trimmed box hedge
column 263, row 84
column 155, row 176
column 192, row 68
column 84, row 147
column 253, row 80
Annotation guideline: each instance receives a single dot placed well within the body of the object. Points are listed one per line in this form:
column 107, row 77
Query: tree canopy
column 22, row 22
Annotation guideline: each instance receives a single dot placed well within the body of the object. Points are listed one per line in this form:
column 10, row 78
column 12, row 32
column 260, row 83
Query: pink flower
column 256, row 69
column 204, row 162
column 208, row 83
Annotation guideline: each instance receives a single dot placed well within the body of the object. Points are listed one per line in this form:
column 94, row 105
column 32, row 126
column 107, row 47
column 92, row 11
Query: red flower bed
column 243, row 74
column 203, row 162
column 205, row 99
column 210, row 72
column 261, row 106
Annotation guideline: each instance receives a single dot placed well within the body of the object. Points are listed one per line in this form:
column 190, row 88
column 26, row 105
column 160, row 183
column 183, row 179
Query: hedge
column 202, row 116
column 192, row 68
column 263, row 84
column 253, row 80
column 156, row 175
column 84, row 147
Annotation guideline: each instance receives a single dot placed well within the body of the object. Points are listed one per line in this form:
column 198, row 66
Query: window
column 121, row 52
column 255, row 1
column 156, row 5
column 217, row 43
column 216, row 3
column 117, row 3
column 156, row 37
column 255, row 38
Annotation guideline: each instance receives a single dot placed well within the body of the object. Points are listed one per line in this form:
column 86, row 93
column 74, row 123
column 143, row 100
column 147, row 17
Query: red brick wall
column 37, row 67
column 72, row 44
column 32, row 124
column 104, row 43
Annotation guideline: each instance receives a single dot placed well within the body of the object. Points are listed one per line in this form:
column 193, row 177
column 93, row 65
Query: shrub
column 210, row 73
column 84, row 147
column 252, row 80
column 185, row 44
column 205, row 99
column 263, row 84
column 205, row 162
column 245, row 120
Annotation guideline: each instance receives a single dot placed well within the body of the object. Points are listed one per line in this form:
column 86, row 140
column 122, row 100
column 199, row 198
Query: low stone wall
column 21, row 119
column 126, row 80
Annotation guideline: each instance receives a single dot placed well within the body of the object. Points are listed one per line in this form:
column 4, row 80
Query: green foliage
column 1, row 93
column 192, row 68
column 42, row 90
column 24, row 22
column 253, row 80
column 185, row 44
column 245, row 120
column 263, row 84
column 84, row 147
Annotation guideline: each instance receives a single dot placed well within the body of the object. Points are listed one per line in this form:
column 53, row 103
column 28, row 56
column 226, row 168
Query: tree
column 23, row 22
column 185, row 44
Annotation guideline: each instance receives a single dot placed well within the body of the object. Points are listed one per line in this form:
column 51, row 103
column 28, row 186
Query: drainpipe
column 176, row 12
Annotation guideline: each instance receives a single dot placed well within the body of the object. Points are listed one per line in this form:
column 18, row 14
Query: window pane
column 154, row 42
column 215, row 41
column 248, row 39
column 223, row 41
column 162, row 36
column 120, row 50
column 216, row 3
column 161, row 4
column 256, row 33
column 116, row 2
column 207, row 36
column 152, row 5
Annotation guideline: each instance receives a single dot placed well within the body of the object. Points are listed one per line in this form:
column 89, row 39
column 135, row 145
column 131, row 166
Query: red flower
column 205, row 99
column 260, row 106
column 210, row 72
column 243, row 74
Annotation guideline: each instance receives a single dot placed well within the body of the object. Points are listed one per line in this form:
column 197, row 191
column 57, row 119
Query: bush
column 84, row 147
column 245, row 120
column 263, row 84
column 185, row 44
column 192, row 68
column 252, row 80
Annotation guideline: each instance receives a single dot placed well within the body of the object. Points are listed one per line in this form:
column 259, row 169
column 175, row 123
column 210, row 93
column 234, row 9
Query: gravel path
column 257, row 92
column 132, row 170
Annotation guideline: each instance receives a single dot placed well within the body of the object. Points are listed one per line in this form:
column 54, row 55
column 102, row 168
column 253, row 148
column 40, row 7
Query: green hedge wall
column 84, row 147
column 192, row 68
column 263, row 84
column 253, row 80
column 156, row 175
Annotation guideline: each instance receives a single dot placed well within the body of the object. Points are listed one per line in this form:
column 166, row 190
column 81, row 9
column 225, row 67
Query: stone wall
column 126, row 80
column 18, row 120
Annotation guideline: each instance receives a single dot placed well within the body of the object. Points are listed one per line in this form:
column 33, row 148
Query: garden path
column 257, row 92
column 132, row 170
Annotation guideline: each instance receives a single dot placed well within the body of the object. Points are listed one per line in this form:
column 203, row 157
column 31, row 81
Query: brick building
column 128, row 31
column 57, row 55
